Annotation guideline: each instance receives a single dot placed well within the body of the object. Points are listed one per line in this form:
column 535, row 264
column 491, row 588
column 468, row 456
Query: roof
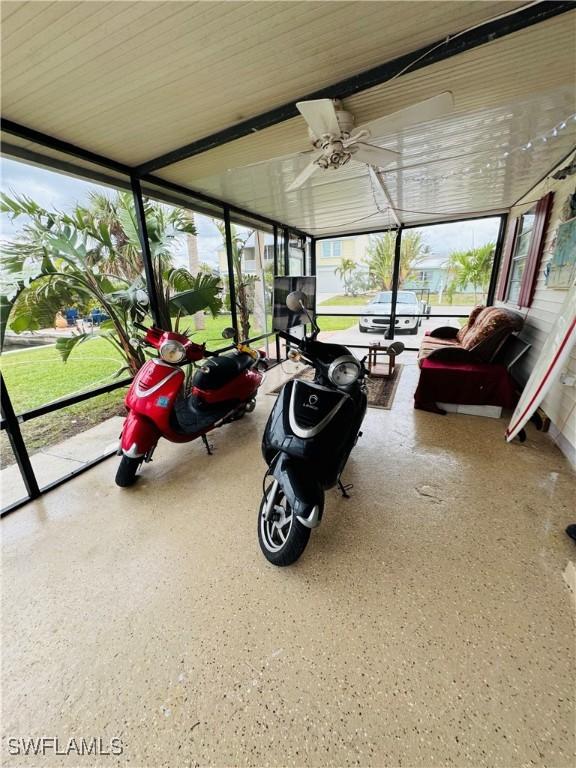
column 134, row 80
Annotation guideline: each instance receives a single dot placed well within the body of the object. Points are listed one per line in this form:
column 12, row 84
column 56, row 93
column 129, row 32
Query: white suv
column 376, row 315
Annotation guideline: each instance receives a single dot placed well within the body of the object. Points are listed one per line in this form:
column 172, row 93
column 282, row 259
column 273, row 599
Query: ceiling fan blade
column 320, row 116
column 303, row 176
column 422, row 112
column 376, row 156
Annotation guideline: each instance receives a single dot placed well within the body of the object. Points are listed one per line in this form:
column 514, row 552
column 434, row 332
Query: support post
column 286, row 252
column 17, row 443
column 151, row 283
column 231, row 277
column 313, row 269
column 395, row 278
column 313, row 256
column 497, row 260
column 275, row 232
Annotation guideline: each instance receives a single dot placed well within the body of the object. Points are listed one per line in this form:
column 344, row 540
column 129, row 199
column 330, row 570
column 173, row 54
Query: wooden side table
column 379, row 368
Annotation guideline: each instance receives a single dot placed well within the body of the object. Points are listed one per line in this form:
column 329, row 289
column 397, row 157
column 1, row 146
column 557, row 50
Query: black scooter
column 309, row 435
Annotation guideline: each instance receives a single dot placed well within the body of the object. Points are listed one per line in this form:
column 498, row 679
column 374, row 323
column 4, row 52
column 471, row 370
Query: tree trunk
column 194, row 266
column 259, row 288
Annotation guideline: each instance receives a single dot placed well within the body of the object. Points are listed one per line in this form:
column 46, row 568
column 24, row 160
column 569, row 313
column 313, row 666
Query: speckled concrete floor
column 428, row 623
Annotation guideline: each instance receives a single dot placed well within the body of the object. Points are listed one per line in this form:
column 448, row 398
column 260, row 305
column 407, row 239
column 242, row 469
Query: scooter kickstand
column 207, row 445
column 345, row 488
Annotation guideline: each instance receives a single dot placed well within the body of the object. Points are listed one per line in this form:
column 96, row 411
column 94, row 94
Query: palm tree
column 194, row 263
column 473, row 267
column 126, row 259
column 243, row 283
column 345, row 271
column 65, row 259
column 381, row 250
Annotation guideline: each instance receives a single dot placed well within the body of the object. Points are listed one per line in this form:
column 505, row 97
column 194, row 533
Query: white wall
column 560, row 403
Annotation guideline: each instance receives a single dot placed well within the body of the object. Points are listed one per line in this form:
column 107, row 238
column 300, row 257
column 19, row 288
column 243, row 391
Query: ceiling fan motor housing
column 334, row 155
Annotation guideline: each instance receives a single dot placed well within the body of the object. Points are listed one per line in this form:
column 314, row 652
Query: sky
column 59, row 191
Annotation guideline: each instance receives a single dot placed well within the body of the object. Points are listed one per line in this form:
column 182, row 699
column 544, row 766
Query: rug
column 381, row 392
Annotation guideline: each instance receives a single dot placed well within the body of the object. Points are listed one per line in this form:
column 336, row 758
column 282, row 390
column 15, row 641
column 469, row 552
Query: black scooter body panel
column 302, row 489
column 325, row 453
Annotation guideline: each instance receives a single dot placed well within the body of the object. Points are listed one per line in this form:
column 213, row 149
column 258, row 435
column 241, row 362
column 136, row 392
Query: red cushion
column 464, row 383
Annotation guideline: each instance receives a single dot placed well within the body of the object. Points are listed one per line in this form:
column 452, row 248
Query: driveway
column 353, row 336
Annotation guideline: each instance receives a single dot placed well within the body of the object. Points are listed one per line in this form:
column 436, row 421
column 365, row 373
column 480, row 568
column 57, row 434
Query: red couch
column 455, row 365
column 477, row 342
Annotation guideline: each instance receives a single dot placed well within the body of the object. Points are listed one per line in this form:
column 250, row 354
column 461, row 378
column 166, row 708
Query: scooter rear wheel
column 126, row 474
column 282, row 537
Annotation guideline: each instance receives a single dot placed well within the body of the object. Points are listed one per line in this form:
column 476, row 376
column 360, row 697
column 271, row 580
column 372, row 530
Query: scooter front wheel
column 281, row 536
column 126, row 474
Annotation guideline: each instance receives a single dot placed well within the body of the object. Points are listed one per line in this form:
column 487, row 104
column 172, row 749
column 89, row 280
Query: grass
column 37, row 375
column 347, row 301
column 336, row 323
column 459, row 299
column 212, row 333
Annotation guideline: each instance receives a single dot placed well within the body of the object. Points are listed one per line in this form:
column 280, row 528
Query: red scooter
column 223, row 389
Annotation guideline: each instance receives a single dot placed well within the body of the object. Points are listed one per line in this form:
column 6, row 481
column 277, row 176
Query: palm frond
column 66, row 345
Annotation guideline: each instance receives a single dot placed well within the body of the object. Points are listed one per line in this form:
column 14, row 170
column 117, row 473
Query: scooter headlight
column 344, row 371
column 172, row 352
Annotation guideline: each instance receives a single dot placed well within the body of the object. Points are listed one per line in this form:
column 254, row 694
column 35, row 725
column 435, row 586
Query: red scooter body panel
column 241, row 388
column 152, row 395
column 139, row 435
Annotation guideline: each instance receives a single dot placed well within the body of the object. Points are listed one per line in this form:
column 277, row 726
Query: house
column 329, row 255
column 431, row 273
column 250, row 262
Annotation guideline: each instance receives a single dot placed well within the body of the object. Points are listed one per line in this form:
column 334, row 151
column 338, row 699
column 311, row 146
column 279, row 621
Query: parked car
column 376, row 315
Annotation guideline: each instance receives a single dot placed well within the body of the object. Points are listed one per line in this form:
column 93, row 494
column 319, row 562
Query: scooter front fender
column 303, row 491
column 139, row 435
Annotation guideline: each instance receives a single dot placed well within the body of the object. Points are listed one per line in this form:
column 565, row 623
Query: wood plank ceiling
column 133, row 80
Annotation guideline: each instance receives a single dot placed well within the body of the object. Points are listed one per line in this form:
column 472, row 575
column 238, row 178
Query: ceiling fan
column 336, row 141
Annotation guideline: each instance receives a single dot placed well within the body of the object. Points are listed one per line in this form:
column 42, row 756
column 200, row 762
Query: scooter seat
column 190, row 415
column 222, row 369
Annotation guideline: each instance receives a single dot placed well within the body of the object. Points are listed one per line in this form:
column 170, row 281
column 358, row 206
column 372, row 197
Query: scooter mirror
column 396, row 347
column 296, row 300
column 228, row 333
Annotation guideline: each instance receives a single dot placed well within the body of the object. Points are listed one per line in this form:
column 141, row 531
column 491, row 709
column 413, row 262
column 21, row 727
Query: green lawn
column 466, row 299
column 347, row 301
column 459, row 299
column 212, row 333
column 37, row 376
column 336, row 323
